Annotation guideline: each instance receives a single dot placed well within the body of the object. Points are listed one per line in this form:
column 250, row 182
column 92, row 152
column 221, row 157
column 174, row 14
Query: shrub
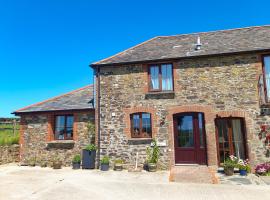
column 105, row 160
column 77, row 159
column 9, row 140
column 91, row 147
column 153, row 153
column 119, row 161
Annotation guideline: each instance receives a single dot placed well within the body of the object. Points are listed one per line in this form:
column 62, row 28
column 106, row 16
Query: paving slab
column 18, row 183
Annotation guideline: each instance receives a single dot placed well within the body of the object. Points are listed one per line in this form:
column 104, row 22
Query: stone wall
column 38, row 143
column 9, row 154
column 222, row 85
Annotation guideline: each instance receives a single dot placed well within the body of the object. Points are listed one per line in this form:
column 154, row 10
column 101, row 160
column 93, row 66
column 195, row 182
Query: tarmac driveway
column 26, row 183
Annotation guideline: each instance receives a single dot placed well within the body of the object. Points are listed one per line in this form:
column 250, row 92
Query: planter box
column 104, row 167
column 76, row 165
column 88, row 159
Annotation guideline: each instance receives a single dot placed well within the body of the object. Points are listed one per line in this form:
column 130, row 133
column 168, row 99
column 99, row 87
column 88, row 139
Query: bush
column 9, row 140
column 153, row 153
column 91, row 147
column 105, row 160
column 77, row 159
column 119, row 161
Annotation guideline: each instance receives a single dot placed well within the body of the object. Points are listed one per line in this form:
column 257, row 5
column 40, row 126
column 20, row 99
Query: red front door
column 189, row 138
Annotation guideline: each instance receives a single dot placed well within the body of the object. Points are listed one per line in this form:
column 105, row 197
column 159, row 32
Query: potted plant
column 244, row 167
column 229, row 165
column 118, row 165
column 89, row 157
column 263, row 169
column 104, row 163
column 152, row 156
column 57, row 163
column 76, row 162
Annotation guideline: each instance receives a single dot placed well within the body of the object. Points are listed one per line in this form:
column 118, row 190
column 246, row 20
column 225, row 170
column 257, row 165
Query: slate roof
column 75, row 100
column 255, row 38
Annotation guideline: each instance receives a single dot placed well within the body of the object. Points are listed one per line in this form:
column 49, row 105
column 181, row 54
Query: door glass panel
column 185, row 131
column 238, row 141
column 230, row 138
column 267, row 74
column 201, row 131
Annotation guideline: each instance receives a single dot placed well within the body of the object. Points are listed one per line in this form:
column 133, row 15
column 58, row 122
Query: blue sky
column 47, row 45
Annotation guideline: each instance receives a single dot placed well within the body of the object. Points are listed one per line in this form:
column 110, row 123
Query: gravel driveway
column 45, row 183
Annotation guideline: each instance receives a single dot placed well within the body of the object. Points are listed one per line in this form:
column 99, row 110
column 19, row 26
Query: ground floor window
column 63, row 127
column 141, row 126
column 230, row 133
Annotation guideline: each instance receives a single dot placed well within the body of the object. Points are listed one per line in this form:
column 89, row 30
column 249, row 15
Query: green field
column 7, row 137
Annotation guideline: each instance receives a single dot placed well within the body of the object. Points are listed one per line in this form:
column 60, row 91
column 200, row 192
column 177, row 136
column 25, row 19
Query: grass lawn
column 7, row 137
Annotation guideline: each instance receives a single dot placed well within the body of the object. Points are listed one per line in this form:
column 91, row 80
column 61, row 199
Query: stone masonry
column 9, row 154
column 37, row 138
column 225, row 86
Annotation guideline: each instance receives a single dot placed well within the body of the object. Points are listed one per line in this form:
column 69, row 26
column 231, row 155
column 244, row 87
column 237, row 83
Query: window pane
column 201, row 131
column 70, row 121
column 154, row 76
column 69, row 132
column 60, row 127
column 185, row 131
column 60, row 121
column 136, row 124
column 146, row 124
column 267, row 74
column 166, row 72
column 238, row 139
column 59, row 133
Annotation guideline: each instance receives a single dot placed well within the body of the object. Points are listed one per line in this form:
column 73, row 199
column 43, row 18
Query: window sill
column 60, row 144
column 160, row 95
column 135, row 141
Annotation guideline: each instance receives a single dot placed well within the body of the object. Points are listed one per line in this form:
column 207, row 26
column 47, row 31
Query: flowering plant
column 244, row 165
column 231, row 162
column 263, row 169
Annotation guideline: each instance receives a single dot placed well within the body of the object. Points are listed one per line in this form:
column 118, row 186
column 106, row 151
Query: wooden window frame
column 141, row 133
column 159, row 77
column 65, row 127
column 264, row 76
column 230, row 136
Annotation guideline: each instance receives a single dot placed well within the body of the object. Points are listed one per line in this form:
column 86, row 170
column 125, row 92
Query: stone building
column 56, row 128
column 202, row 96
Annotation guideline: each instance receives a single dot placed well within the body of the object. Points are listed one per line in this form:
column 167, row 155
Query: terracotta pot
column 229, row 171
column 152, row 167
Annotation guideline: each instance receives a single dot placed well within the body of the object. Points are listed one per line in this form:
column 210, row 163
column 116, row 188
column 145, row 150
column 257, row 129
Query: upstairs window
column 63, row 127
column 141, row 126
column 266, row 73
column 161, row 77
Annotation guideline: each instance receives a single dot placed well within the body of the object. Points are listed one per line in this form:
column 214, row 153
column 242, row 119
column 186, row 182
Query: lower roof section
column 80, row 99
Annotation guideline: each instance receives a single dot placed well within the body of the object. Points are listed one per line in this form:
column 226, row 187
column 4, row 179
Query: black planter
column 104, row 167
column 88, row 159
column 76, row 165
